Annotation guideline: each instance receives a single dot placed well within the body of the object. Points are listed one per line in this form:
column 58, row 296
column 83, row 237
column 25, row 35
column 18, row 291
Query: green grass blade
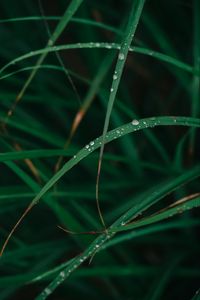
column 109, row 46
column 134, row 18
column 174, row 209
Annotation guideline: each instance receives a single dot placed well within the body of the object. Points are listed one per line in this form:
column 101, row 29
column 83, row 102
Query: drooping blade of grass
column 70, row 11
column 195, row 105
column 154, row 228
column 96, row 245
column 50, row 67
column 93, row 145
column 109, row 46
column 57, row 18
column 133, row 21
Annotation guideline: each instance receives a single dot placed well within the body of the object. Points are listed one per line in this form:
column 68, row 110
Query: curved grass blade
column 93, row 145
column 149, row 230
column 109, row 46
column 50, row 67
column 58, row 18
column 33, row 154
column 178, row 207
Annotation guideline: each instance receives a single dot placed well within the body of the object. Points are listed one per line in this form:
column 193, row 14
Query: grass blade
column 134, row 18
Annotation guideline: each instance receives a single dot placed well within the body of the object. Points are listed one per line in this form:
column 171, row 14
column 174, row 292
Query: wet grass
column 100, row 149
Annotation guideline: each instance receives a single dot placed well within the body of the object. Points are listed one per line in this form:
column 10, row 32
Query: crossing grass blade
column 118, row 225
column 134, row 17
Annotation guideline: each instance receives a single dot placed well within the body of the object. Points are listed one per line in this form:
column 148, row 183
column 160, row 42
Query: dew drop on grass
column 108, row 46
column 121, row 56
column 135, row 122
column 111, row 90
column 91, row 143
column 87, row 146
column 114, row 77
column 47, row 291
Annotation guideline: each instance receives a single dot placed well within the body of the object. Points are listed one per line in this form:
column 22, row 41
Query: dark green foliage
column 82, row 81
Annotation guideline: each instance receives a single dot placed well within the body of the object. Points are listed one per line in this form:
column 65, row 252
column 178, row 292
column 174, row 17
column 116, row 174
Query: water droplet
column 108, row 46
column 114, row 77
column 47, row 291
column 74, row 156
column 97, row 44
column 87, row 146
column 111, row 90
column 121, row 56
column 135, row 122
column 91, row 143
column 62, row 274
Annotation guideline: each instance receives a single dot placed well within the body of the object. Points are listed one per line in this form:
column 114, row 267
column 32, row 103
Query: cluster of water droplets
column 121, row 56
column 90, row 146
